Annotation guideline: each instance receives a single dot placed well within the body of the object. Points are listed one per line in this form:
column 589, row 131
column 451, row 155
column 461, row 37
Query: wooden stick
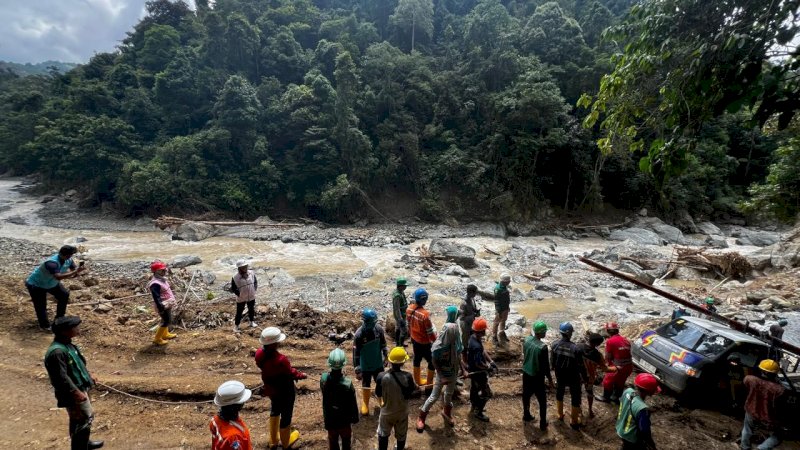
column 108, row 300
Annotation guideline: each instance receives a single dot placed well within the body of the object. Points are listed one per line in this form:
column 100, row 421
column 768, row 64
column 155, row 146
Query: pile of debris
column 722, row 264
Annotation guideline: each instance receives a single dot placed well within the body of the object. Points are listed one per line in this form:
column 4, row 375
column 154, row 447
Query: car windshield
column 695, row 338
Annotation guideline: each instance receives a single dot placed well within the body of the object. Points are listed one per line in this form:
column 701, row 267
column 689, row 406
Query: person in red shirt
column 278, row 376
column 618, row 354
column 422, row 336
column 228, row 430
column 762, row 405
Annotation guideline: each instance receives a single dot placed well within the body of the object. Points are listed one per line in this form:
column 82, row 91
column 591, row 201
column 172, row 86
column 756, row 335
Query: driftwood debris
column 725, row 265
column 164, row 222
column 429, row 258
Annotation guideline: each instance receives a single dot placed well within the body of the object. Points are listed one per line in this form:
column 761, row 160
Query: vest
column 229, row 435
column 247, row 289
column 337, row 397
column 630, row 407
column 41, row 278
column 531, row 349
column 370, row 358
column 76, row 369
column 167, row 297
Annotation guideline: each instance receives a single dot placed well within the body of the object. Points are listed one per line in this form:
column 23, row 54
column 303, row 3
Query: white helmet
column 241, row 263
column 271, row 335
column 506, row 278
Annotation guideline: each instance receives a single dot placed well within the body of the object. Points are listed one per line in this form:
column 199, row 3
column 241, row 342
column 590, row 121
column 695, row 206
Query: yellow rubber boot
column 559, row 410
column 575, row 419
column 417, row 373
column 168, row 335
column 429, row 378
column 159, row 338
column 274, row 425
column 289, row 437
column 365, row 394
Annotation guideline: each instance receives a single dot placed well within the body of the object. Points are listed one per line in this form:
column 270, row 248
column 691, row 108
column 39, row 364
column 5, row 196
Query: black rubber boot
column 80, row 439
column 401, row 445
column 95, row 444
column 383, row 443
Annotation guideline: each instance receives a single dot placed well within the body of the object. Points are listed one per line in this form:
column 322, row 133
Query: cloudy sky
column 64, row 30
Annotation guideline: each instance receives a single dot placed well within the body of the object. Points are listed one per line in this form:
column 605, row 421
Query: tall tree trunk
column 413, row 29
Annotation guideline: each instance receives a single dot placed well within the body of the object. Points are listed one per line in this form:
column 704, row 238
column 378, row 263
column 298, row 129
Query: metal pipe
column 732, row 323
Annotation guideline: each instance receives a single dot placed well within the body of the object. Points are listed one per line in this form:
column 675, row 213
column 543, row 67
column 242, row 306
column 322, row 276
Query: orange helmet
column 479, row 324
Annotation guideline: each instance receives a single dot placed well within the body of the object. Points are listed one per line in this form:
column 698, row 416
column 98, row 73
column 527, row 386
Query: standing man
column 567, row 362
column 339, row 408
column 446, row 352
column 228, row 430
column 479, row 365
column 535, row 367
column 369, row 354
column 633, row 420
column 502, row 305
column 244, row 285
column 467, row 312
column 618, row 354
column 163, row 301
column 422, row 336
column 399, row 307
column 46, row 278
column 762, row 405
column 71, row 381
column 394, row 387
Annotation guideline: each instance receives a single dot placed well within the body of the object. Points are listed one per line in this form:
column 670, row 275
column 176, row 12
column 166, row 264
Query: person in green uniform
column 535, row 368
column 71, row 381
column 369, row 354
column 633, row 420
column 399, row 306
column 339, row 408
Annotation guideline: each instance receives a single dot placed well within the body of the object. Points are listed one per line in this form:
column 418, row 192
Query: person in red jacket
column 278, row 376
column 618, row 354
column 423, row 336
column 228, row 430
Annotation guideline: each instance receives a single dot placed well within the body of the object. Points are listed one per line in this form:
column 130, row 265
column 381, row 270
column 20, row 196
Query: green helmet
column 337, row 359
column 709, row 300
column 401, row 281
column 539, row 327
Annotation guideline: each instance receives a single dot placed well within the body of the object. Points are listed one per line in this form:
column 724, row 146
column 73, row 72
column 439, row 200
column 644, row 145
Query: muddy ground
column 118, row 347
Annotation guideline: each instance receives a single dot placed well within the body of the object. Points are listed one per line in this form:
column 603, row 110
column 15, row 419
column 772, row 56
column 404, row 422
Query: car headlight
column 688, row 370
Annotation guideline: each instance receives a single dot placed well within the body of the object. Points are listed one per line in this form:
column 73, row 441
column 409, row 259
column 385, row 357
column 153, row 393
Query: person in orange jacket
column 228, row 430
column 278, row 376
column 422, row 336
column 618, row 354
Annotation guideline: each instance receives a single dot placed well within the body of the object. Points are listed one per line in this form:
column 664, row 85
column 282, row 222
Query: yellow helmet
column 398, row 355
column 769, row 365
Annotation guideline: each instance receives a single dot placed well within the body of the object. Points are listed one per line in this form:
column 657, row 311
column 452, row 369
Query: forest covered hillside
column 342, row 109
column 42, row 68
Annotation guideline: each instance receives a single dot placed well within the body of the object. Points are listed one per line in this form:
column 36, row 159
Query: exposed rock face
column 637, row 235
column 182, row 261
column 455, row 252
column 756, row 237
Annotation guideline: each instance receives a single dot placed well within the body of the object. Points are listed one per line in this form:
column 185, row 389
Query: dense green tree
column 412, row 17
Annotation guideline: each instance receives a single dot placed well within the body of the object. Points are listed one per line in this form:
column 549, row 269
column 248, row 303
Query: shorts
column 398, row 422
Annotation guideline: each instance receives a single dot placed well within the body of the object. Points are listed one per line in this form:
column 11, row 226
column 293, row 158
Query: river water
column 304, row 261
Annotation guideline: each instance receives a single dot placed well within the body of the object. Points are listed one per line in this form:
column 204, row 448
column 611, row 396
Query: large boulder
column 280, row 278
column 709, row 229
column 757, row 238
column 637, row 272
column 664, row 231
column 637, row 235
column 457, row 271
column 452, row 251
column 182, row 261
column 785, row 256
column 684, row 221
column 193, row 231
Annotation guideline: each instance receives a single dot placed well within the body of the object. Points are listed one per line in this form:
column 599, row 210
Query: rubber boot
column 365, row 394
column 383, row 442
column 447, row 414
column 575, row 418
column 590, row 401
column 421, row 421
column 95, row 444
column 417, row 372
column 159, row 338
column 274, row 425
column 429, row 379
column 560, row 409
column 289, row 437
column 401, row 445
column 80, row 439
column 168, row 335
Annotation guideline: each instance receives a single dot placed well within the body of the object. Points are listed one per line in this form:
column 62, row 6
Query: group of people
column 454, row 354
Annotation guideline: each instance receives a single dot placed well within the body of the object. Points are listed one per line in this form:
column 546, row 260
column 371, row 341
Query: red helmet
column 157, row 265
column 647, row 382
column 479, row 324
column 612, row 326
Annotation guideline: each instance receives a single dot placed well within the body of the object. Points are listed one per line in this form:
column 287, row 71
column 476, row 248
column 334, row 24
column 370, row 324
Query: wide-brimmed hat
column 271, row 335
column 242, row 263
column 232, row 393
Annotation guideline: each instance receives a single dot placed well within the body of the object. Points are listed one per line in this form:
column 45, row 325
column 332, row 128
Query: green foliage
column 779, row 195
column 340, row 109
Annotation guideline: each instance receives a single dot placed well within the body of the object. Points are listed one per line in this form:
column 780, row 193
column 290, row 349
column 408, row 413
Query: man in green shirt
column 633, row 420
column 399, row 306
column 535, row 367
